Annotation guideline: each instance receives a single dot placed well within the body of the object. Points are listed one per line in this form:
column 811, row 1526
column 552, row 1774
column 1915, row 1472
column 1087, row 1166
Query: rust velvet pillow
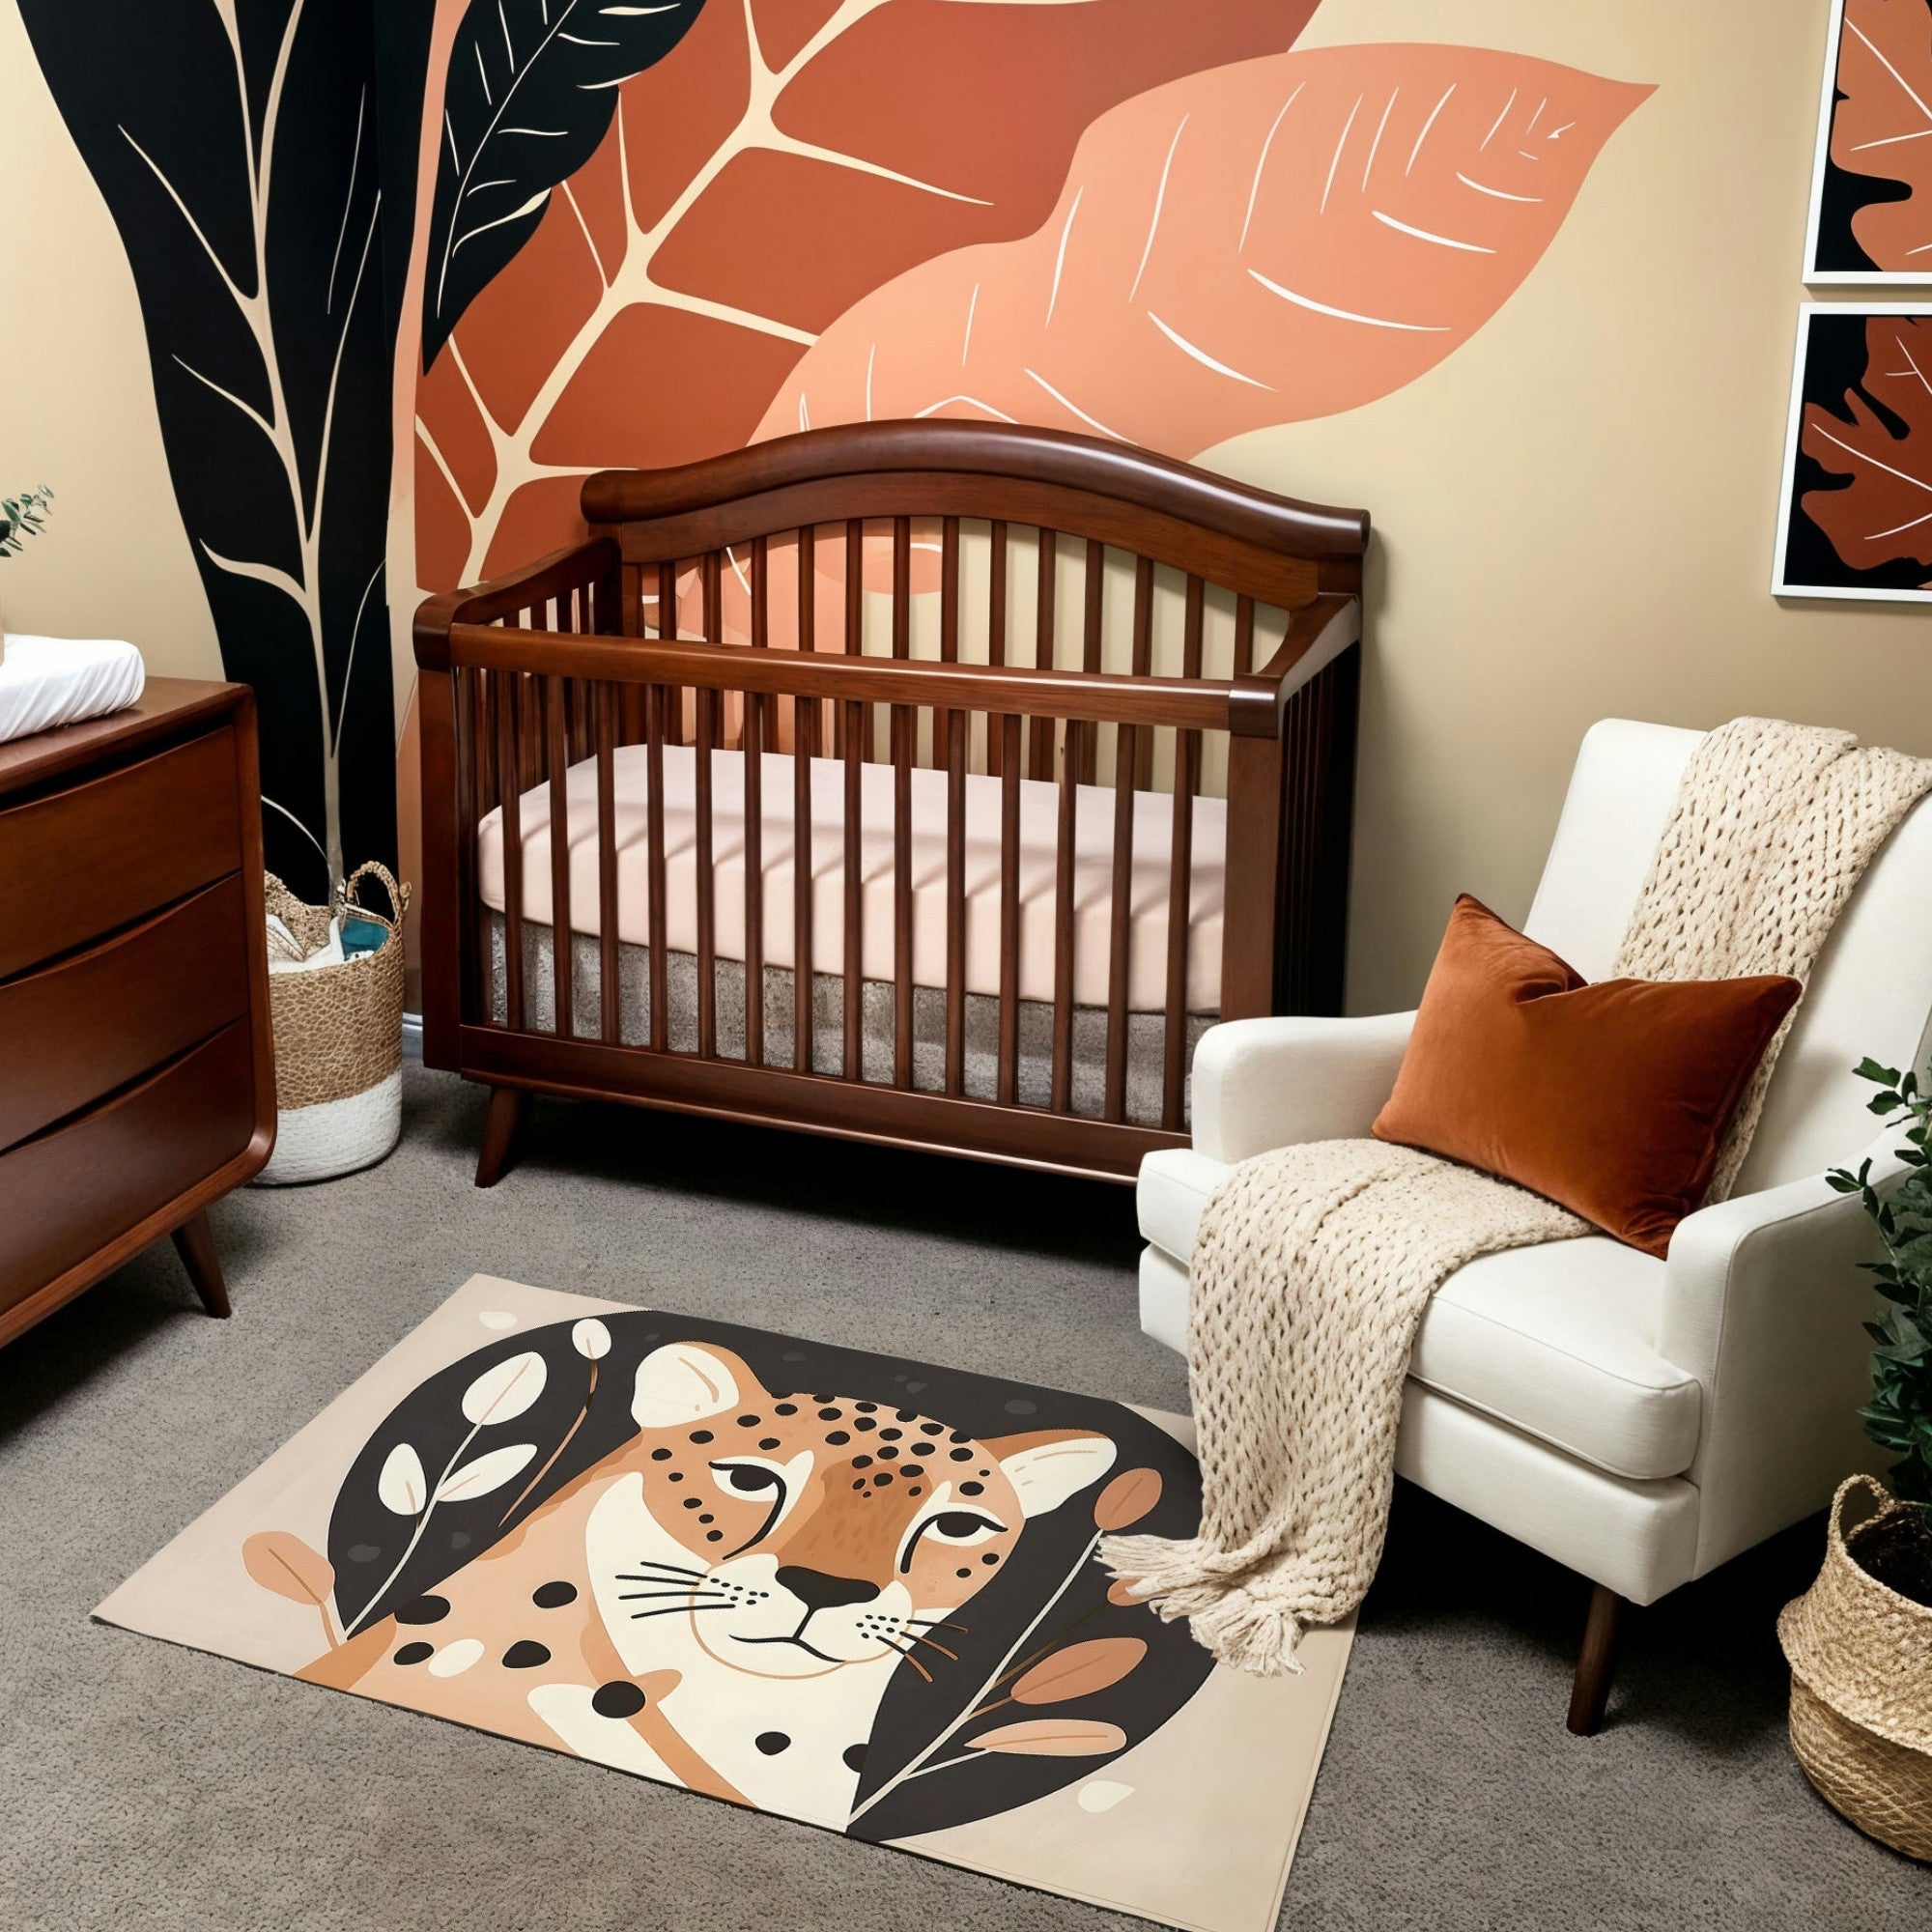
column 1611, row 1100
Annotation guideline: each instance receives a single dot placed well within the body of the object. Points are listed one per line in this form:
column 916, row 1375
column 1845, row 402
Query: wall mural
column 838, row 210
column 643, row 234
column 236, row 150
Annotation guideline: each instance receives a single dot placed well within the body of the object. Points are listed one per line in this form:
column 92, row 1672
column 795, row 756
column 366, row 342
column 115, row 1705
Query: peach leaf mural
column 1264, row 242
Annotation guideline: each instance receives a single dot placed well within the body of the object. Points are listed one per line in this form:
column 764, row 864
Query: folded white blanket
column 49, row 681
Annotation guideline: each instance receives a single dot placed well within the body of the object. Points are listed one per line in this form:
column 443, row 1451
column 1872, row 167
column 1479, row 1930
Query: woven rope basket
column 338, row 1040
column 1860, row 1656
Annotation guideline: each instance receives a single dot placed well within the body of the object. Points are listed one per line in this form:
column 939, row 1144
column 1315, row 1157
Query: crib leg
column 506, row 1110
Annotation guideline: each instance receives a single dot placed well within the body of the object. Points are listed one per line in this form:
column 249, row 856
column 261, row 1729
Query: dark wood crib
column 926, row 783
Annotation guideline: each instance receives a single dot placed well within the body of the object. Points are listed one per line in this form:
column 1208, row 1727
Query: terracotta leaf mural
column 786, row 159
column 1879, row 439
column 1882, row 126
column 1264, row 242
column 531, row 90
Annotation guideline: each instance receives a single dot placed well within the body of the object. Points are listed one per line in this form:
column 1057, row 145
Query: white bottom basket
column 336, row 1136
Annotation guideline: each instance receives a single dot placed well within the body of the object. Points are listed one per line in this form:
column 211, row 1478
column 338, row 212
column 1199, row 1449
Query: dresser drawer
column 73, row 1190
column 97, row 1019
column 86, row 860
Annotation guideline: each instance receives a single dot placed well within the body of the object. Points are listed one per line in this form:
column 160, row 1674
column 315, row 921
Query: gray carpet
column 144, row 1787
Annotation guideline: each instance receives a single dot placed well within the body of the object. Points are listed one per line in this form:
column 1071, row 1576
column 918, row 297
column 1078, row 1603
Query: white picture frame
column 1822, row 169
column 1789, row 577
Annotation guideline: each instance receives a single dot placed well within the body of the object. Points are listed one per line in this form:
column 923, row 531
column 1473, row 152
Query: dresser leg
column 195, row 1245
column 506, row 1109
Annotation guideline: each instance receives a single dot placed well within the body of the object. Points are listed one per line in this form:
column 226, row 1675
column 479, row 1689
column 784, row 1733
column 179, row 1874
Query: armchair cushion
column 1558, row 1341
column 1612, row 1099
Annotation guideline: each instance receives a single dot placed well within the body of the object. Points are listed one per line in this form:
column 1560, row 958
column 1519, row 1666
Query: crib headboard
column 991, row 602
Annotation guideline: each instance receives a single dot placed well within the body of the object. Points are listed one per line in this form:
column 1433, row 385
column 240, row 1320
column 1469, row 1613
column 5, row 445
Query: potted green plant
column 1860, row 1640
column 20, row 517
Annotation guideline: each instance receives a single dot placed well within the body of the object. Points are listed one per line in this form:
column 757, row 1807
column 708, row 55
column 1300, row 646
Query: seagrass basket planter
column 338, row 1038
column 1860, row 1656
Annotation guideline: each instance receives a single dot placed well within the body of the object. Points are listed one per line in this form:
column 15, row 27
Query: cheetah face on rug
column 721, row 1602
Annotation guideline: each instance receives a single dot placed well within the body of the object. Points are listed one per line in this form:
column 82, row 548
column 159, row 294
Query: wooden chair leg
column 1597, row 1661
column 506, row 1110
column 195, row 1245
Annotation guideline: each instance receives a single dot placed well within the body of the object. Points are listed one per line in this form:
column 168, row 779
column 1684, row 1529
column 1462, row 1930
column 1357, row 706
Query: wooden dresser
column 137, row 1076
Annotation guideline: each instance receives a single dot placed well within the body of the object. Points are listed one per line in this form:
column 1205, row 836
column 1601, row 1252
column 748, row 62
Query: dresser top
column 168, row 707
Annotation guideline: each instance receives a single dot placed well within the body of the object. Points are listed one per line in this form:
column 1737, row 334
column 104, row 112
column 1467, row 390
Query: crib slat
column 905, row 732
column 996, row 625
column 1062, row 924
column 605, row 721
column 631, row 624
column 1126, row 763
column 854, row 717
column 1041, row 766
column 761, row 633
column 474, row 688
column 949, row 591
column 1190, row 665
column 707, row 907
column 1179, row 896
column 958, row 724
column 754, row 881
column 1244, row 636
column 1009, row 909
column 1143, row 664
column 513, row 850
column 655, row 706
column 670, row 718
column 1089, row 653
column 854, row 930
column 562, row 936
column 807, row 624
column 804, row 749
column 902, row 587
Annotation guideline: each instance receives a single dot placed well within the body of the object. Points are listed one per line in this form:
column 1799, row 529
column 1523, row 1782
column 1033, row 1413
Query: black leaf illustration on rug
column 531, row 88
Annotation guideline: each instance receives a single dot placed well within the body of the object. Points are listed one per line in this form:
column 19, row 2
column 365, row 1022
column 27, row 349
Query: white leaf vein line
column 1374, row 144
column 1254, row 185
column 1496, row 127
column 1429, row 234
column 1335, row 159
column 1877, row 463
column 966, row 341
column 1092, row 422
column 1345, row 314
column 1159, row 196
column 1499, row 193
column 1059, row 264
column 1426, row 126
column 1202, row 356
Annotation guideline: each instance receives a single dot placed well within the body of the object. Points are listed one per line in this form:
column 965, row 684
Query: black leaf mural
column 531, row 88
column 235, row 144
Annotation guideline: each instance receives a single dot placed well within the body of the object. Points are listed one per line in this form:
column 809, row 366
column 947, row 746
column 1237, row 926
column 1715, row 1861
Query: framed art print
column 1871, row 175
column 1855, row 507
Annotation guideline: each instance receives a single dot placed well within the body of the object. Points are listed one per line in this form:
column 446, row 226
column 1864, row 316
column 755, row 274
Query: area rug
column 838, row 1587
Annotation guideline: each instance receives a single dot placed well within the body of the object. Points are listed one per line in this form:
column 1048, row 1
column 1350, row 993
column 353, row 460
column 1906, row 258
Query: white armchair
column 1642, row 1421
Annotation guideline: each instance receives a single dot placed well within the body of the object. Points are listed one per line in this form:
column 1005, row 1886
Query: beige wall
column 1575, row 512
column 77, row 405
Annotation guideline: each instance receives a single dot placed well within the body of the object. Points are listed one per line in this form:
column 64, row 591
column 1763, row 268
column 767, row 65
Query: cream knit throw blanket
column 1314, row 1264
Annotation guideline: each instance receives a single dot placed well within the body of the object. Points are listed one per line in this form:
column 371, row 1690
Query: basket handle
column 399, row 895
column 1888, row 1505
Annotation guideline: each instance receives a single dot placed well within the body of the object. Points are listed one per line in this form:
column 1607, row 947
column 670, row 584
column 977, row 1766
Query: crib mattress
column 1039, row 809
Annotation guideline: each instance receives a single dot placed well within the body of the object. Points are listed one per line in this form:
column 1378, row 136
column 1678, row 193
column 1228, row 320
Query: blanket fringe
column 1182, row 1577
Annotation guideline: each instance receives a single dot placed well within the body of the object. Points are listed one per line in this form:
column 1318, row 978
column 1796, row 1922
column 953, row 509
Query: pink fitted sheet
column 1040, row 806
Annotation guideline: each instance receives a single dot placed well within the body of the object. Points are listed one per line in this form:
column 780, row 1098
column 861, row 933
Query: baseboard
column 413, row 1036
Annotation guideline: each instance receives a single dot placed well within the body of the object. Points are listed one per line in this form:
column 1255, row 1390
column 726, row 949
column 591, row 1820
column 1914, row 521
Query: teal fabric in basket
column 362, row 935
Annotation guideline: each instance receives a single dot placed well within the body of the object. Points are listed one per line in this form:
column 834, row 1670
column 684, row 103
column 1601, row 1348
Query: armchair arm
column 1269, row 1083
column 1763, row 1302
